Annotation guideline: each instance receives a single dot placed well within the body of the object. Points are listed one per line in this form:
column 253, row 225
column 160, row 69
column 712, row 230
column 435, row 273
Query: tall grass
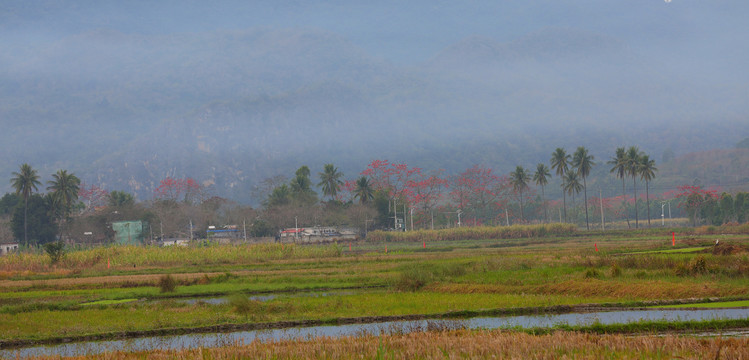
column 138, row 256
column 466, row 344
column 474, row 233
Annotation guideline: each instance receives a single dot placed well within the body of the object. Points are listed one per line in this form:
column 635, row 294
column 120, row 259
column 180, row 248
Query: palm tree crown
column 619, row 166
column 519, row 179
column 64, row 190
column 330, row 180
column 647, row 171
column 582, row 162
column 560, row 162
column 571, row 183
column 363, row 190
column 633, row 169
column 541, row 178
column 25, row 182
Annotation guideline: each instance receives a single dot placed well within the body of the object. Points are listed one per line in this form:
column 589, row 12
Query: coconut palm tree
column 363, row 190
column 540, row 177
column 64, row 191
column 330, row 180
column 619, row 162
column 633, row 169
column 647, row 171
column 582, row 162
column 560, row 161
column 519, row 179
column 25, row 182
column 571, row 184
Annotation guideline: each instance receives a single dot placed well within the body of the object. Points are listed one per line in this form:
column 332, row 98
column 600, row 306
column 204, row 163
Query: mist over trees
column 235, row 93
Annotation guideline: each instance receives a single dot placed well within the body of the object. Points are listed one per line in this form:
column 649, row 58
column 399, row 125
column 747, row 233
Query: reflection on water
column 392, row 327
column 263, row 298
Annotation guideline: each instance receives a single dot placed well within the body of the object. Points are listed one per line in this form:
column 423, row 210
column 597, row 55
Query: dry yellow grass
column 461, row 344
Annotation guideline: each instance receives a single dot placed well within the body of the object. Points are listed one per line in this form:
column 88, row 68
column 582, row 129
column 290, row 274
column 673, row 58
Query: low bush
column 244, row 306
column 167, row 283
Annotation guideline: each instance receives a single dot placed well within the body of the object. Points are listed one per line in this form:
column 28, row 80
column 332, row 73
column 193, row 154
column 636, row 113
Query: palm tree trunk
column 564, row 204
column 543, row 198
column 634, row 186
column 25, row 227
column 647, row 198
column 585, row 192
column 521, row 206
column 624, row 193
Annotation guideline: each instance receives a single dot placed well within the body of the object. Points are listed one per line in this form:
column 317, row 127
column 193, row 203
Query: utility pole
column 244, row 229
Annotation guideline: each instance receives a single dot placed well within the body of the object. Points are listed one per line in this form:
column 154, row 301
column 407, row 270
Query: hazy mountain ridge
column 231, row 107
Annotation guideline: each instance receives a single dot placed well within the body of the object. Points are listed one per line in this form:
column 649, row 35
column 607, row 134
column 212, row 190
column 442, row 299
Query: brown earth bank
column 460, row 344
column 557, row 309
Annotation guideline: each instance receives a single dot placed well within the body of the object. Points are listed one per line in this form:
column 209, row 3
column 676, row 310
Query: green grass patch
column 719, row 304
column 672, row 251
column 109, row 302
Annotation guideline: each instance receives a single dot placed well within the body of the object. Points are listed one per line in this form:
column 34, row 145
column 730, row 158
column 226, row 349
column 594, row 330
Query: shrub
column 167, row 283
column 592, row 274
column 615, row 271
column 242, row 305
column 414, row 278
column 55, row 250
column 698, row 265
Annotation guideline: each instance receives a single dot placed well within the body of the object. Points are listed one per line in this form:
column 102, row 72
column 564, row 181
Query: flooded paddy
column 178, row 342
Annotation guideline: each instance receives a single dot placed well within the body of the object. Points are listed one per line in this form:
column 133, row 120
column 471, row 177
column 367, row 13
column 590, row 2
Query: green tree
column 120, row 199
column 633, row 169
column 301, row 187
column 727, row 212
column 647, row 172
column 330, row 180
column 519, row 179
column 740, row 204
column 560, row 161
column 37, row 214
column 8, row 203
column 25, row 182
column 279, row 196
column 541, row 178
column 619, row 166
column 582, row 162
column 364, row 191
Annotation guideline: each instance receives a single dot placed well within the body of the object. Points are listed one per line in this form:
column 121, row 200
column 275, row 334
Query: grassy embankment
column 39, row 301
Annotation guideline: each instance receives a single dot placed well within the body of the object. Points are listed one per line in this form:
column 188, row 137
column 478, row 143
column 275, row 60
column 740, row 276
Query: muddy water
column 219, row 339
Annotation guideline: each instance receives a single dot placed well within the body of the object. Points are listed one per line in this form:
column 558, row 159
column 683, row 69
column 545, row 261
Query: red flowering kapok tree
column 92, row 196
column 174, row 189
column 480, row 193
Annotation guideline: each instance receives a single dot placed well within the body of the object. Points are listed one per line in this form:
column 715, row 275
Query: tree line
column 385, row 195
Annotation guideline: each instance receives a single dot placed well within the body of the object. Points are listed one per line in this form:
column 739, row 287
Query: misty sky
column 127, row 92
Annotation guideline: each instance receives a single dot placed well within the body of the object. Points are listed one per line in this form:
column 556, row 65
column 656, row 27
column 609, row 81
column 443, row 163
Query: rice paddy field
column 120, row 292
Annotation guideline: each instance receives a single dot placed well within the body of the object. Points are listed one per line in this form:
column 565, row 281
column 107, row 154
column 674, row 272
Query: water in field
column 397, row 327
column 263, row 298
